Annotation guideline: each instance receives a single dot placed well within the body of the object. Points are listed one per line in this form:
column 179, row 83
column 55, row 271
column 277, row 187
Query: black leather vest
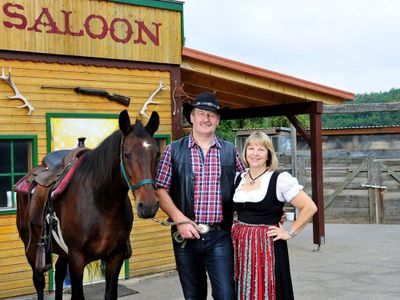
column 182, row 185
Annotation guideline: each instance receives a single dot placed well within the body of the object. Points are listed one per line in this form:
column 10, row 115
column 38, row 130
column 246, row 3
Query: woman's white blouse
column 287, row 187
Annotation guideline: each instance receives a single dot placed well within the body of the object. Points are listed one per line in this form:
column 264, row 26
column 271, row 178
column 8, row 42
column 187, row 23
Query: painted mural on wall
column 66, row 131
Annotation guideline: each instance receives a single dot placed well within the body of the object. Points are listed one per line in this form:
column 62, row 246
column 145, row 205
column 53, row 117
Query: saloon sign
column 91, row 28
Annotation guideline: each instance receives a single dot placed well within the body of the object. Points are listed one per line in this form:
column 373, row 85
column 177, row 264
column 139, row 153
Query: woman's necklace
column 253, row 180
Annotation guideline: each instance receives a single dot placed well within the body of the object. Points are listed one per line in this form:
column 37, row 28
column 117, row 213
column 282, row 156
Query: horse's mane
column 99, row 162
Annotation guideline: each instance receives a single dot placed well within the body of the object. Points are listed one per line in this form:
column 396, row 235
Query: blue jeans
column 212, row 254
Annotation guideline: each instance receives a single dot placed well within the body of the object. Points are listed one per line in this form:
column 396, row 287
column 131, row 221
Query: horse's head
column 139, row 161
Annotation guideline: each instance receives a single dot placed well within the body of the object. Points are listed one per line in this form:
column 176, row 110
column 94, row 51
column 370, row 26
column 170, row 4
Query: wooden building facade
column 129, row 48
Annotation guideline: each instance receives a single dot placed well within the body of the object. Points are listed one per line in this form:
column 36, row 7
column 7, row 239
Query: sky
column 351, row 45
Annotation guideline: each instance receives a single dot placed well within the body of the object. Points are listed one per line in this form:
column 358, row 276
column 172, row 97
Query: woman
column 261, row 256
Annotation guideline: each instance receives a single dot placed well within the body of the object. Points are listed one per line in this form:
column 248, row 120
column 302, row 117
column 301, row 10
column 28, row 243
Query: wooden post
column 380, row 210
column 317, row 174
column 301, row 171
column 293, row 142
column 380, row 205
column 301, row 175
column 176, row 104
column 371, row 191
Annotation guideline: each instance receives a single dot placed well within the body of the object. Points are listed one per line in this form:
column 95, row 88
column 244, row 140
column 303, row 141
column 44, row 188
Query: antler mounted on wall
column 161, row 87
column 17, row 95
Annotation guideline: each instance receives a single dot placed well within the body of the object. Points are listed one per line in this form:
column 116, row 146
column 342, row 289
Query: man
column 195, row 184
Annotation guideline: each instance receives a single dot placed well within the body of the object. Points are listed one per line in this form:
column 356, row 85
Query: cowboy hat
column 205, row 101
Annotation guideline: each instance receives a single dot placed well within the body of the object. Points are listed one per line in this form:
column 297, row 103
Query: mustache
column 206, row 123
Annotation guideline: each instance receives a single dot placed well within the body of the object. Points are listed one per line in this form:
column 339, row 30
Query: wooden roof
column 238, row 85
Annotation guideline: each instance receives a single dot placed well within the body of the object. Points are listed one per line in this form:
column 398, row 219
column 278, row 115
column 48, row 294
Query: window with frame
column 16, row 160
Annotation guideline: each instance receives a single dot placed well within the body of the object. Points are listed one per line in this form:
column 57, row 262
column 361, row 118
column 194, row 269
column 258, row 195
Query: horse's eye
column 128, row 155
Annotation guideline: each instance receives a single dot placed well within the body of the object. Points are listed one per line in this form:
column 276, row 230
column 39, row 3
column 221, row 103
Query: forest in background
column 366, row 118
column 225, row 131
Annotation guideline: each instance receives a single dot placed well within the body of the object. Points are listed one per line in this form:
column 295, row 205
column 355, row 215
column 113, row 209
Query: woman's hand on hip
column 278, row 233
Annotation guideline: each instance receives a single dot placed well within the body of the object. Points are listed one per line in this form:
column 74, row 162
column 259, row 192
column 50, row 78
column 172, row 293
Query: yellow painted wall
column 151, row 243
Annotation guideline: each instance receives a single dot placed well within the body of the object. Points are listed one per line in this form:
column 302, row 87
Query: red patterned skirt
column 261, row 268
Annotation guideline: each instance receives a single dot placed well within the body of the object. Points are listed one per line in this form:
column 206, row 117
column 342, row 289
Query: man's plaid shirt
column 207, row 171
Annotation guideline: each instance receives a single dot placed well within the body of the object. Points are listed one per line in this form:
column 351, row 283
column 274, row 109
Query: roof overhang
column 242, row 86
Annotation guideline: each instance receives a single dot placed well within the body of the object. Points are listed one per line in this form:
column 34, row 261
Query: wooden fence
column 356, row 190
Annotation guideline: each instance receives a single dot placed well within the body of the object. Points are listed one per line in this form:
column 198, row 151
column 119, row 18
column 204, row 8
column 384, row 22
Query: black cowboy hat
column 204, row 101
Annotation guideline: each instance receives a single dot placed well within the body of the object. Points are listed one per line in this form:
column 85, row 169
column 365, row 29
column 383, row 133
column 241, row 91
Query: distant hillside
column 366, row 118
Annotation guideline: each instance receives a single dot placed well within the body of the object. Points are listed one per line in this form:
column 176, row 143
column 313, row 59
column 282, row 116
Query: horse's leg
column 38, row 278
column 39, row 282
column 61, row 272
column 23, row 223
column 76, row 266
column 113, row 267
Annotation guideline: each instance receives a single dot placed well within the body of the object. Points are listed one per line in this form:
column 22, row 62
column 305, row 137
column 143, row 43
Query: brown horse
column 94, row 211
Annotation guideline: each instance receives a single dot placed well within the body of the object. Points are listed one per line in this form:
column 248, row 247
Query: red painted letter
column 93, row 35
column 50, row 22
column 152, row 37
column 129, row 31
column 67, row 25
column 22, row 18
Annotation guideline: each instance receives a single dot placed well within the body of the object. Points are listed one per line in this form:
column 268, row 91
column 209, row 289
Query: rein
column 123, row 172
column 176, row 235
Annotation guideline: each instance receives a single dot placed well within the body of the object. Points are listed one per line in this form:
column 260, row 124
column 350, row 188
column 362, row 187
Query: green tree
column 366, row 118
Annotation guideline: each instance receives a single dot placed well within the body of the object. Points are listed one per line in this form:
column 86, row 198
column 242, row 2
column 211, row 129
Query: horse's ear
column 153, row 123
column 124, row 122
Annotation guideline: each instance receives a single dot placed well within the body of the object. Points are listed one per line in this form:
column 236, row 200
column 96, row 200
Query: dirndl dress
column 261, row 266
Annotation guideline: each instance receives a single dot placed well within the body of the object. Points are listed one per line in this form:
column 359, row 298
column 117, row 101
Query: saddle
column 41, row 184
column 56, row 164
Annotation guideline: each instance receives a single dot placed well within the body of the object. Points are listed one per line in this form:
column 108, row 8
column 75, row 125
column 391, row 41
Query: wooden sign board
column 91, row 28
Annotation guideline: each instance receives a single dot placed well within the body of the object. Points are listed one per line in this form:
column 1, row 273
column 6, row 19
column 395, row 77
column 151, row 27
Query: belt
column 205, row 228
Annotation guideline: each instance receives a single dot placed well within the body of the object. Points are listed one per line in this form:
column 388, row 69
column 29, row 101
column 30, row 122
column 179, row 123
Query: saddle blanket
column 23, row 185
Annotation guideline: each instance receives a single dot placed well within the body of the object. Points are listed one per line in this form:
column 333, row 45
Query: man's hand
column 188, row 231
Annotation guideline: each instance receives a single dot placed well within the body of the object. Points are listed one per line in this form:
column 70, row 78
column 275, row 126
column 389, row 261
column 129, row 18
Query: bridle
column 123, row 173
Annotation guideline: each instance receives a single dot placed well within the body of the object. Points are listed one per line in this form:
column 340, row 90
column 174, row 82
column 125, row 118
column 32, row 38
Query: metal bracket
column 381, row 187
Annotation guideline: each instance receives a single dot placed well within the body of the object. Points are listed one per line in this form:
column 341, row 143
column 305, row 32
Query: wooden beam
column 391, row 172
column 272, row 111
column 295, row 122
column 360, row 108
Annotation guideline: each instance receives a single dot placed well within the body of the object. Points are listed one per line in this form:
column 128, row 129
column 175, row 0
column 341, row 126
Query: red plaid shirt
column 207, row 171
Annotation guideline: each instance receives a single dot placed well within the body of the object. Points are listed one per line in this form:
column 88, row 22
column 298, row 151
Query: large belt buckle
column 203, row 228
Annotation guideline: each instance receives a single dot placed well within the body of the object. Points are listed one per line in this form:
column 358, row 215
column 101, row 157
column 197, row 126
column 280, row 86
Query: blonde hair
column 262, row 139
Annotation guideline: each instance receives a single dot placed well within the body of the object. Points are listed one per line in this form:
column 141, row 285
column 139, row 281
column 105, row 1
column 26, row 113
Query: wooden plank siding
column 151, row 243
